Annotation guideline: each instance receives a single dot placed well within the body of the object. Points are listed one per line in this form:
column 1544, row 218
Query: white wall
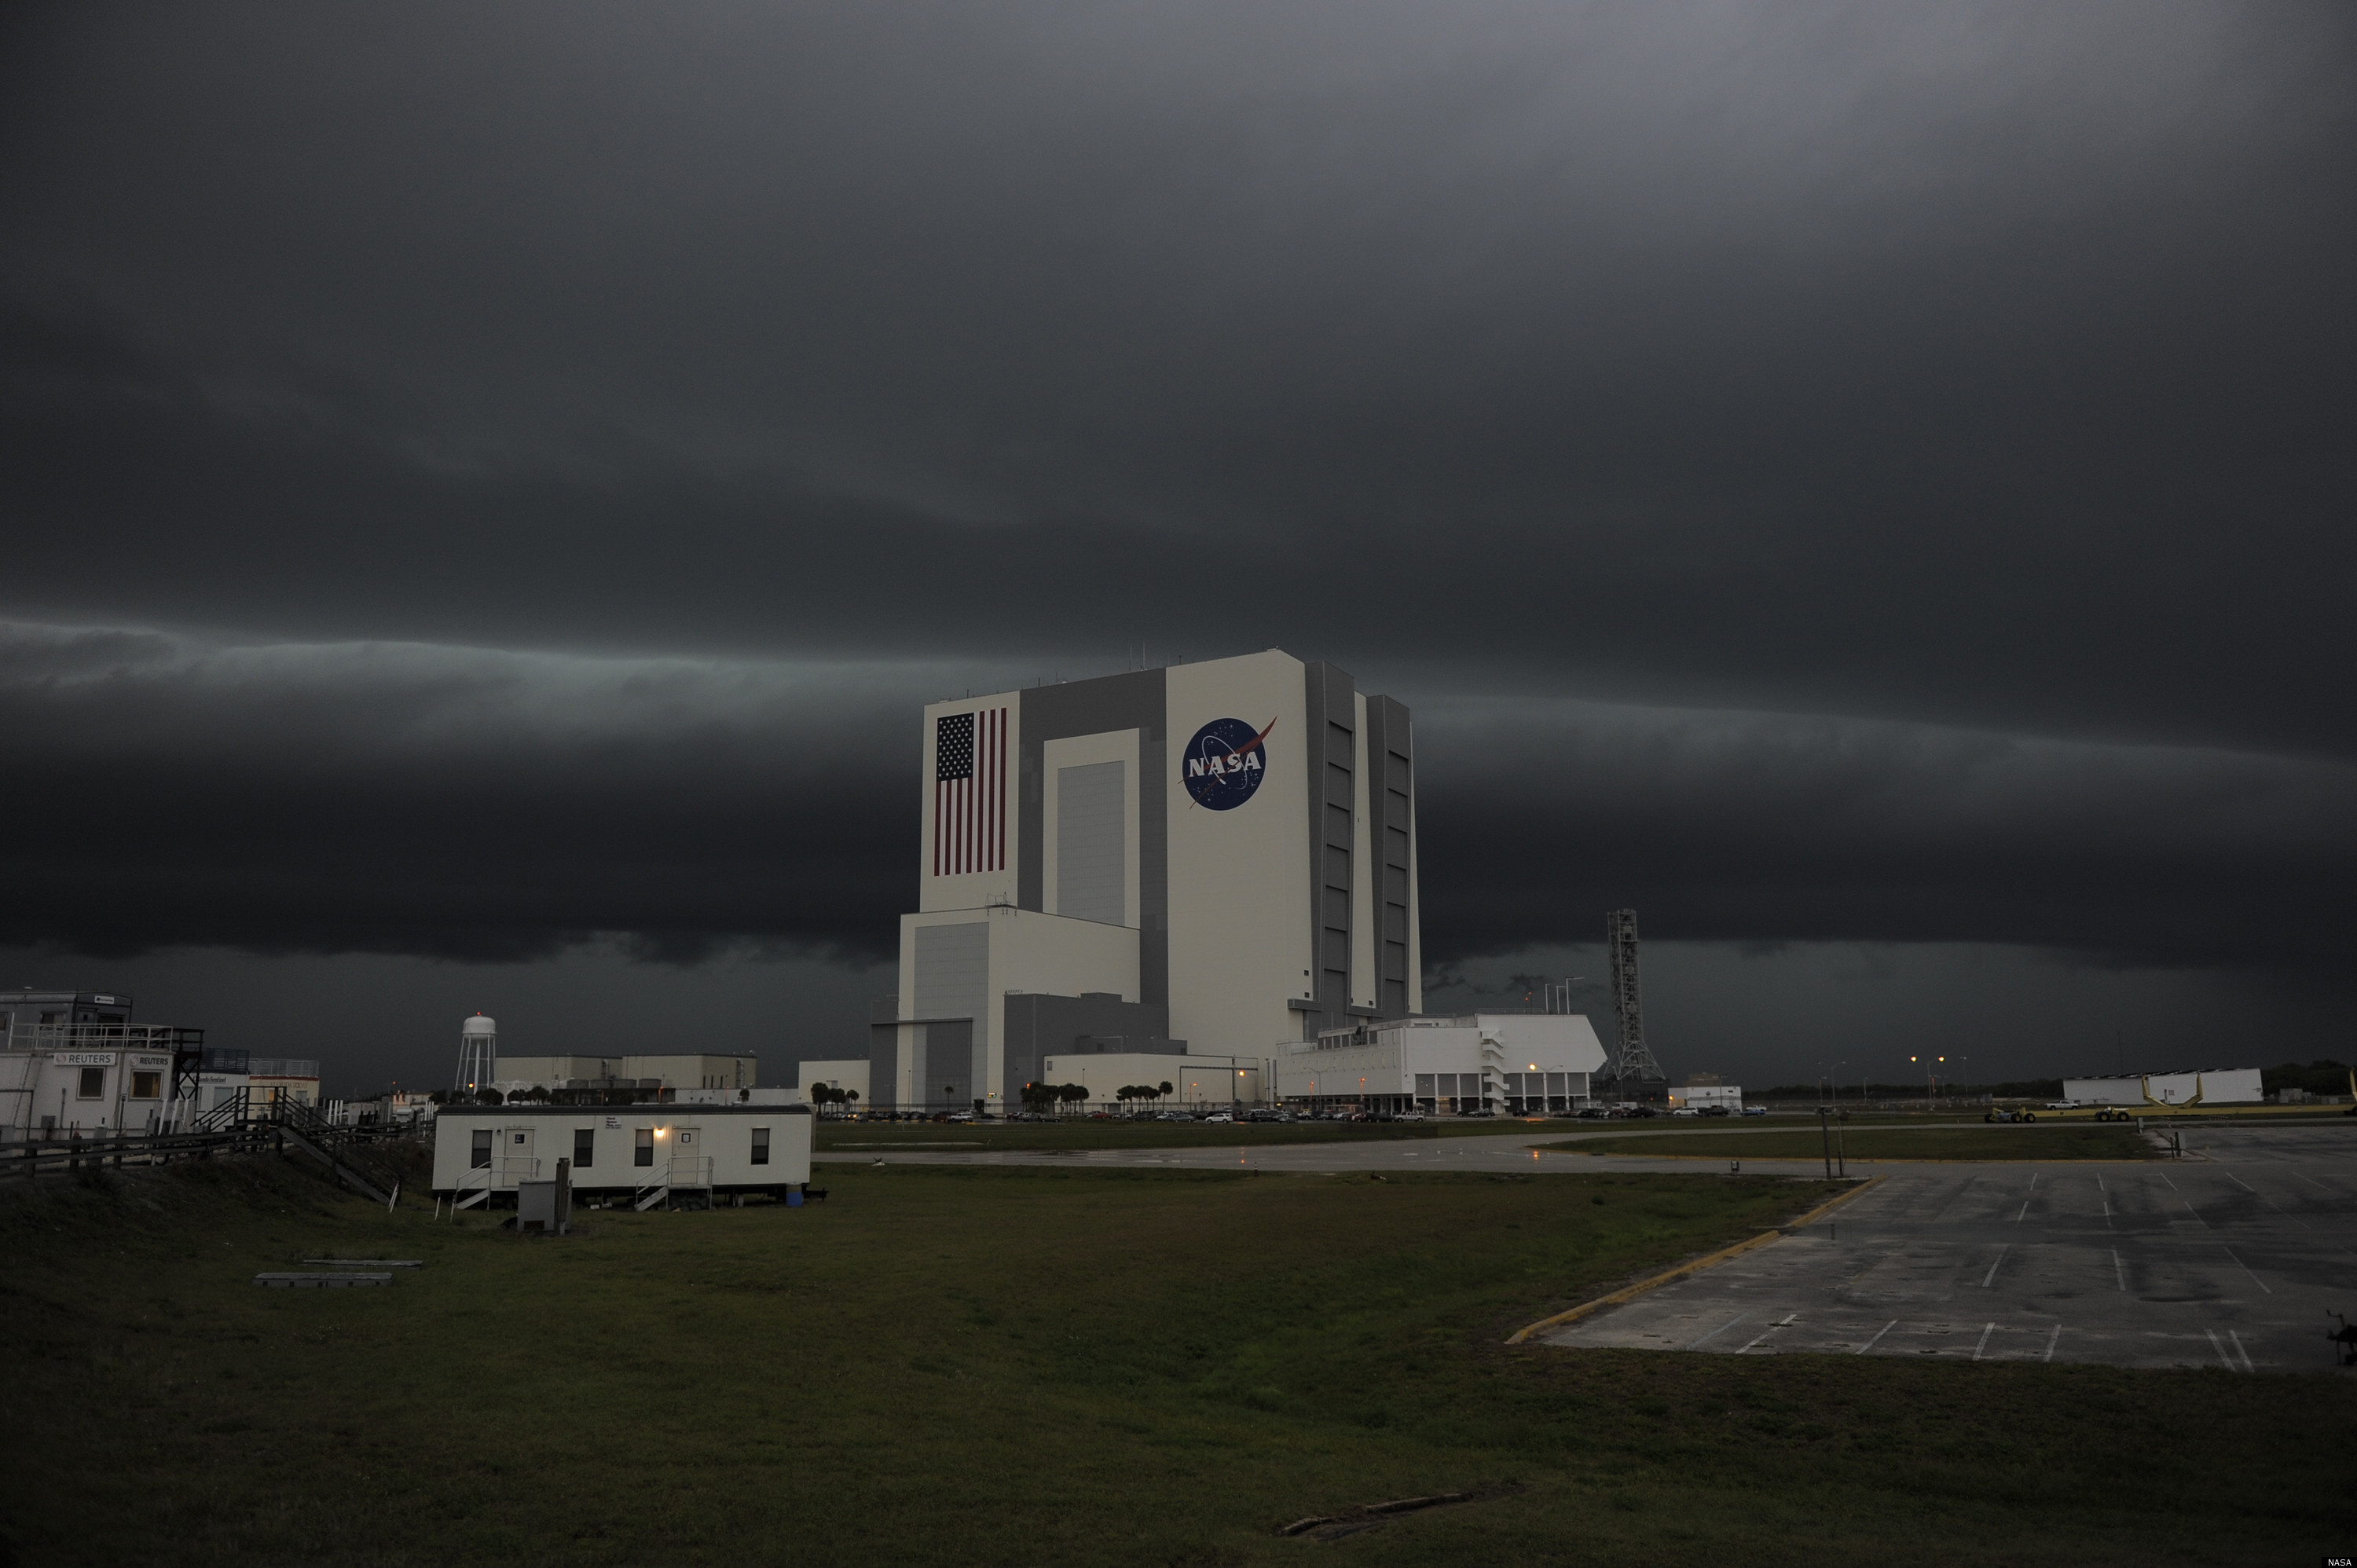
column 1240, row 879
column 723, row 1135
column 2232, row 1086
column 34, row 1084
column 1555, row 1042
column 1194, row 1083
column 851, row 1074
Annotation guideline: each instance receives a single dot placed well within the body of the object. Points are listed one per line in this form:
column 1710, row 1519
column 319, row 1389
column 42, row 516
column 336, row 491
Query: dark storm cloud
column 1748, row 826
column 462, row 803
column 450, row 803
column 1975, row 377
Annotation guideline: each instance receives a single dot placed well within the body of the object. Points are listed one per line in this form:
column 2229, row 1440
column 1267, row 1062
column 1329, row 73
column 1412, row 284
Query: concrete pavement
column 2229, row 1259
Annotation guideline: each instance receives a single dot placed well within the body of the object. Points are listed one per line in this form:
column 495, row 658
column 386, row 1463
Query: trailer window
column 644, row 1154
column 93, row 1083
column 761, row 1145
column 482, row 1151
column 583, row 1144
column 147, row 1086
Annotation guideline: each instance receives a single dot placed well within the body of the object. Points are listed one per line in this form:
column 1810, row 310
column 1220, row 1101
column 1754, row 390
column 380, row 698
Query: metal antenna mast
column 1635, row 1062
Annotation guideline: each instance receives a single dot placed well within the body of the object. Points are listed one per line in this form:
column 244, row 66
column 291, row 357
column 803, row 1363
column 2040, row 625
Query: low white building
column 849, row 1075
column 1197, row 1083
column 644, row 1153
column 2206, row 1086
column 649, row 1074
column 67, row 1079
column 288, row 1078
column 1726, row 1097
column 1519, row 1063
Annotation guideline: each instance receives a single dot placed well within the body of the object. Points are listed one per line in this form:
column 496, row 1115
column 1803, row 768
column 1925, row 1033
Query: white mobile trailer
column 2214, row 1086
column 620, row 1150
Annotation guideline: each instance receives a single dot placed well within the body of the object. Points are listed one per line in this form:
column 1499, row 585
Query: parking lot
column 2229, row 1257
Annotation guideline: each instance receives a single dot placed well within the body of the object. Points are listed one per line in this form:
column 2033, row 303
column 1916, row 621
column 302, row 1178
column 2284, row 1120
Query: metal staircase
column 303, row 1129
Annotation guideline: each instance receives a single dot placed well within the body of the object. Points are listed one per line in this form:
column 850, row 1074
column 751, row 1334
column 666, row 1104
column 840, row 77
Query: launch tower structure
column 1634, row 1071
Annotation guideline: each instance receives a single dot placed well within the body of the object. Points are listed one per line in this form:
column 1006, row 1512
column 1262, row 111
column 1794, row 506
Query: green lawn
column 2059, row 1141
column 954, row 1365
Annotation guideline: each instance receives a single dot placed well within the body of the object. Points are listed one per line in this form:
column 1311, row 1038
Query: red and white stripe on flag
column 970, row 792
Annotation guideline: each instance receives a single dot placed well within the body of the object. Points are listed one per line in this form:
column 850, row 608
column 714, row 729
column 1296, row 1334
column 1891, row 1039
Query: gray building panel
column 1038, row 1025
column 883, row 1052
column 953, row 977
column 1092, row 843
column 1331, row 721
column 1391, row 758
column 1138, row 701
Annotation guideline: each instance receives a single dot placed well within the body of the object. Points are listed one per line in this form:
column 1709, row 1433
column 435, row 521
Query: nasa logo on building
column 1223, row 764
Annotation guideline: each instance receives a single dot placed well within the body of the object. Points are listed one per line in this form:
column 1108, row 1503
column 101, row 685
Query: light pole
column 1929, row 1064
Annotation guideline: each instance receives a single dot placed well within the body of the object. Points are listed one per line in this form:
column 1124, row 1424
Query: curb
column 1631, row 1292
column 1863, row 1159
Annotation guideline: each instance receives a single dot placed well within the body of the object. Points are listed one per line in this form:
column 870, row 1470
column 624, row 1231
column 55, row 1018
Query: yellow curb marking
column 1632, row 1292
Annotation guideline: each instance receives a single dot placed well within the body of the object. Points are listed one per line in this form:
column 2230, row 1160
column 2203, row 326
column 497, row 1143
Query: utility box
column 546, row 1206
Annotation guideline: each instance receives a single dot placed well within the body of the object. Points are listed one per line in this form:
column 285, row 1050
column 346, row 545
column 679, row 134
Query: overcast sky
column 486, row 486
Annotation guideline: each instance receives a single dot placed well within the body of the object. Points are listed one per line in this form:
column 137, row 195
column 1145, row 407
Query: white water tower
column 479, row 1054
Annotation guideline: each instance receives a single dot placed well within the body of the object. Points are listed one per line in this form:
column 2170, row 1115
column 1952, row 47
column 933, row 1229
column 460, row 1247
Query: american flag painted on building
column 970, row 792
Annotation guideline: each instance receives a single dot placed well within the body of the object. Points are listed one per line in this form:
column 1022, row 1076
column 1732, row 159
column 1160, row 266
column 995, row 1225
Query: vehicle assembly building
column 1206, row 860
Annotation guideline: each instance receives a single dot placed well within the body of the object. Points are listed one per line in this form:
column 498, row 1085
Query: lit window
column 93, row 1083
column 147, row 1086
column 761, row 1145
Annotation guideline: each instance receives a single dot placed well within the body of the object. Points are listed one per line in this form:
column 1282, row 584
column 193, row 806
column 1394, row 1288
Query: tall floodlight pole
column 1635, row 1061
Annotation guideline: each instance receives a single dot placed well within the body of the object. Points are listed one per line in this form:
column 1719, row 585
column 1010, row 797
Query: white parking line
column 1984, row 1344
column 1990, row 1277
column 2119, row 1270
column 2245, row 1267
column 2025, row 1208
column 2240, row 1350
column 1785, row 1322
column 2224, row 1359
column 1719, row 1330
column 2238, row 1181
column 1878, row 1338
column 2051, row 1340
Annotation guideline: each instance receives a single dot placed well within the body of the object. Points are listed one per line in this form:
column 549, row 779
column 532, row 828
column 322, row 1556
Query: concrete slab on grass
column 2228, row 1259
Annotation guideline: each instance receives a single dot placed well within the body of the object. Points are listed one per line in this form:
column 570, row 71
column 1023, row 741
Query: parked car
column 1685, row 1111
column 1220, row 1116
column 1716, row 1111
column 1753, row 1111
column 1412, row 1116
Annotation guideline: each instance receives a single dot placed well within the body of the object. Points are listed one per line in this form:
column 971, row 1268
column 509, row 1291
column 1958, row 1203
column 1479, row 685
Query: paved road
column 2227, row 1259
column 1510, row 1151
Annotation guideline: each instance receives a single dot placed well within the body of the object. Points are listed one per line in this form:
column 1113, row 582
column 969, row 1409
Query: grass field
column 952, row 1365
column 2077, row 1141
